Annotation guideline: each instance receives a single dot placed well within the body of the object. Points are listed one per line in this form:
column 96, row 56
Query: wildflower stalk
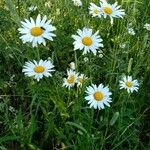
column 38, row 53
column 76, row 61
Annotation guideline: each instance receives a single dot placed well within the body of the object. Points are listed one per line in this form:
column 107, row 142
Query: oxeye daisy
column 129, row 84
column 81, row 80
column 94, row 10
column 98, row 96
column 37, row 31
column 87, row 41
column 147, row 26
column 113, row 11
column 71, row 79
column 38, row 69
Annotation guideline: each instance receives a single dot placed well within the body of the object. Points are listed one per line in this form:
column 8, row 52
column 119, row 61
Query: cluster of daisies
column 73, row 77
column 37, row 31
column 105, row 9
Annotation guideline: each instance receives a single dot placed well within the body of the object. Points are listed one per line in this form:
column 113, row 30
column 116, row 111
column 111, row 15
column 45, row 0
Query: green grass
column 44, row 115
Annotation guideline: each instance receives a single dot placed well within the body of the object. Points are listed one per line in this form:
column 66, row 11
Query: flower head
column 147, row 26
column 71, row 79
column 113, row 11
column 87, row 41
column 81, row 80
column 98, row 96
column 38, row 69
column 37, row 31
column 129, row 84
column 95, row 10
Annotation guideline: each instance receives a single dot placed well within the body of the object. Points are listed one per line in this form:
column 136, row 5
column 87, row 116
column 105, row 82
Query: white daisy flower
column 113, row 11
column 129, row 84
column 72, row 65
column 71, row 79
column 77, row 2
column 38, row 69
column 147, row 26
column 94, row 10
column 87, row 41
column 98, row 96
column 37, row 31
column 81, row 80
column 131, row 31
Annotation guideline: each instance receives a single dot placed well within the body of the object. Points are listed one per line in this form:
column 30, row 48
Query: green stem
column 38, row 53
column 76, row 61
column 18, row 2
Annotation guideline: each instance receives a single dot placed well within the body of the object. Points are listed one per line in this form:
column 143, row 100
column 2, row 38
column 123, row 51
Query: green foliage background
column 44, row 115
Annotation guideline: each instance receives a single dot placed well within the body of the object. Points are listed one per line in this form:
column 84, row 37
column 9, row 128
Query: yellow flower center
column 71, row 79
column 96, row 11
column 81, row 80
column 98, row 96
column 87, row 41
column 37, row 31
column 107, row 10
column 39, row 69
column 129, row 84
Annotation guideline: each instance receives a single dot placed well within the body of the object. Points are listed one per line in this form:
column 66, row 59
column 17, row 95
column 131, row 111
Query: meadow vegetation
column 46, row 114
